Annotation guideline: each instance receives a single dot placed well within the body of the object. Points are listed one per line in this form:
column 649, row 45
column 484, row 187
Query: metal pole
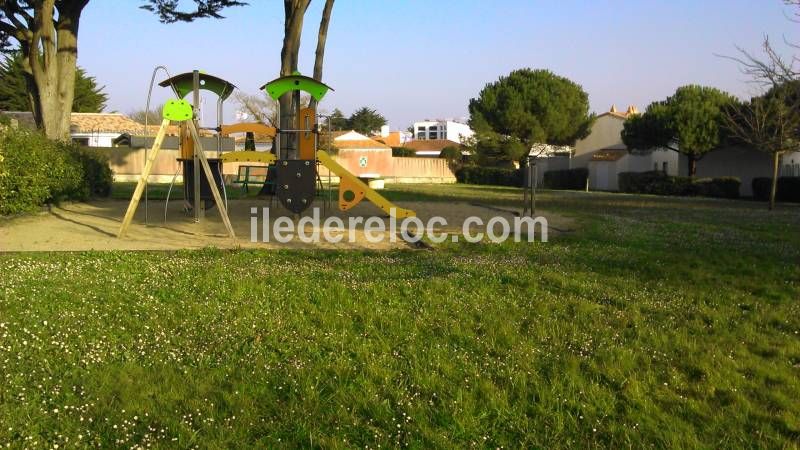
column 146, row 114
column 198, row 204
column 535, row 181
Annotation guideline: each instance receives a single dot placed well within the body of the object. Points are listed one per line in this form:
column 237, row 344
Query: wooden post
column 148, row 167
column 201, row 155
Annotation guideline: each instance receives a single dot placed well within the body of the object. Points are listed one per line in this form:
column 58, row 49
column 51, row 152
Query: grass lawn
column 658, row 322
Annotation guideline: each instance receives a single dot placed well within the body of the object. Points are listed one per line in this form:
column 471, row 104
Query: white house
column 606, row 156
column 442, row 129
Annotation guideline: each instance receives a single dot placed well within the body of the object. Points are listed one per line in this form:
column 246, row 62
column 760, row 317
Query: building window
column 655, row 166
column 433, row 135
column 664, row 166
column 81, row 141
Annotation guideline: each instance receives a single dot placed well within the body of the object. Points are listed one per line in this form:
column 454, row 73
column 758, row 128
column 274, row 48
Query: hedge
column 659, row 183
column 36, row 171
column 788, row 189
column 566, row 179
column 489, row 175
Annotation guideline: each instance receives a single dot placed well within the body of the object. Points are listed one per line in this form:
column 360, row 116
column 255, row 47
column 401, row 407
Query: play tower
column 294, row 178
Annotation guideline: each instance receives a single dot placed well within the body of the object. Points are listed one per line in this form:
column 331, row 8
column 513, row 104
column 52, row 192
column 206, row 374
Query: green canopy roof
column 184, row 84
column 279, row 86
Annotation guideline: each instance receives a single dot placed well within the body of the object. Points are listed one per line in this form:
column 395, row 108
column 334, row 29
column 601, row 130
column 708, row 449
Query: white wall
column 740, row 162
column 446, row 129
column 603, row 174
column 97, row 139
column 605, row 134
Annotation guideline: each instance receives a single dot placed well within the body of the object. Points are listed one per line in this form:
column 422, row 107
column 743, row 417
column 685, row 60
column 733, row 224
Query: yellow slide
column 352, row 190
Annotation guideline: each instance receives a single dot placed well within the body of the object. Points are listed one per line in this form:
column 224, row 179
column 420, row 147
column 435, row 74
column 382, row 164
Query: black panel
column 205, row 188
column 296, row 184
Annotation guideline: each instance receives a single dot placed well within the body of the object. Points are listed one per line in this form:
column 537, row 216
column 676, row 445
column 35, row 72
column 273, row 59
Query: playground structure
column 295, row 180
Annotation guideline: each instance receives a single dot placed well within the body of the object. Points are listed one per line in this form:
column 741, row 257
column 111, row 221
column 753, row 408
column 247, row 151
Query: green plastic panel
column 184, row 84
column 279, row 86
column 177, row 110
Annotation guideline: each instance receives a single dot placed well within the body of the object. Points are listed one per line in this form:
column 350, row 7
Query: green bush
column 489, row 175
column 36, row 171
column 659, row 183
column 788, row 189
column 722, row 187
column 451, row 153
column 97, row 175
column 566, row 179
column 403, row 152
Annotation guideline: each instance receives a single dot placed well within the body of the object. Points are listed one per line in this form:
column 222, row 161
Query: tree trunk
column 294, row 11
column 776, row 161
column 51, row 55
column 322, row 37
column 692, row 165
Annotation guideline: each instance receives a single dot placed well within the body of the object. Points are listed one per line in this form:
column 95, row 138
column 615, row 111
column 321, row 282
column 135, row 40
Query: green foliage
column 566, row 179
column 97, row 175
column 659, row 183
column 693, row 118
column 36, row 171
column 168, row 11
column 451, row 153
column 13, row 87
column 403, row 152
column 338, row 120
column 489, row 175
column 531, row 106
column 494, row 150
column 366, row 121
column 788, row 189
column 89, row 97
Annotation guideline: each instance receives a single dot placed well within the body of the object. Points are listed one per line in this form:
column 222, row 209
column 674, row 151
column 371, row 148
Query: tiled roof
column 99, row 123
column 394, row 139
column 430, row 144
column 360, row 144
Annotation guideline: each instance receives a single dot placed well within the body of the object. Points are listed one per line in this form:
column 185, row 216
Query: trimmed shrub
column 566, row 179
column 97, row 175
column 788, row 189
column 659, row 183
column 489, row 175
column 451, row 153
column 37, row 170
column 722, row 187
column 402, row 152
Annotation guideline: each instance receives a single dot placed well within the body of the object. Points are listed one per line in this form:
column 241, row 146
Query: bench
column 247, row 175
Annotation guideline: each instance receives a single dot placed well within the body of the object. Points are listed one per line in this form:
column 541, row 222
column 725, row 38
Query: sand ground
column 94, row 226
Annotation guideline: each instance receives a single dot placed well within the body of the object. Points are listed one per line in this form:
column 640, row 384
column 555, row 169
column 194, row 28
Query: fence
column 127, row 164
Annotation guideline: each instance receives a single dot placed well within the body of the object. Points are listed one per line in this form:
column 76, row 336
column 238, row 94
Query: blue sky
column 416, row 59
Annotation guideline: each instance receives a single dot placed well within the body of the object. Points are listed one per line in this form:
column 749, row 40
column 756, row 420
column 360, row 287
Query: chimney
column 613, row 109
column 632, row 110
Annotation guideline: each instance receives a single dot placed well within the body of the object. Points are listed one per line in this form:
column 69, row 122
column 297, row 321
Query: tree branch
column 168, row 10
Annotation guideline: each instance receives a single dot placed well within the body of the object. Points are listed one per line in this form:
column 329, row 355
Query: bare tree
column 770, row 123
column 322, row 37
column 259, row 106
